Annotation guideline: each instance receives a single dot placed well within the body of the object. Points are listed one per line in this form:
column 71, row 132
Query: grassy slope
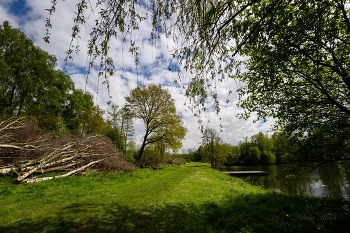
column 189, row 198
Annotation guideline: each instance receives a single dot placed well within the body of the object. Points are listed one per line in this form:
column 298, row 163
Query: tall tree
column 211, row 142
column 113, row 120
column 296, row 53
column 249, row 153
column 121, row 126
column 29, row 84
column 265, row 145
column 127, row 126
column 92, row 122
column 156, row 108
column 214, row 32
column 282, row 147
column 82, row 116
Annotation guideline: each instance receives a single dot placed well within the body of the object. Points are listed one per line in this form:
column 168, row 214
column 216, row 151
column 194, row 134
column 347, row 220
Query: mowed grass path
column 188, row 198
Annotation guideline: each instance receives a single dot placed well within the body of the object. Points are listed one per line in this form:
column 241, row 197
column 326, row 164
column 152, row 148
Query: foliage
column 212, row 147
column 259, row 149
column 233, row 155
column 249, row 153
column 30, row 86
column 156, row 108
column 120, row 125
column 29, row 83
column 265, row 145
column 300, row 78
column 82, row 116
column 327, row 143
column 295, row 54
column 282, row 146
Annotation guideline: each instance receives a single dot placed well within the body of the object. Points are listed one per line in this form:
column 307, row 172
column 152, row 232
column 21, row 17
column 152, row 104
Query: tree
column 29, row 84
column 50, row 102
column 329, row 143
column 92, row 122
column 265, row 145
column 156, row 108
column 249, row 153
column 233, row 156
column 212, row 143
column 301, row 78
column 282, row 147
column 296, row 53
column 121, row 126
column 127, row 127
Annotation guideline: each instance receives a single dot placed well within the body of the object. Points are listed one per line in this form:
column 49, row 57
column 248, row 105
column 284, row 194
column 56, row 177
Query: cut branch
column 26, row 153
column 64, row 175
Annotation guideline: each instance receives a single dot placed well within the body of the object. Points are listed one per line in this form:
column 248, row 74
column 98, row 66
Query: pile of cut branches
column 24, row 151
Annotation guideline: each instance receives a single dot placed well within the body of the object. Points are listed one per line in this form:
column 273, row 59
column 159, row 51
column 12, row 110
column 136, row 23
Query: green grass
column 188, row 198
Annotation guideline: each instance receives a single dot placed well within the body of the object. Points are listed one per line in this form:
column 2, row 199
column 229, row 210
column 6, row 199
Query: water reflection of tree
column 295, row 181
column 324, row 182
column 333, row 182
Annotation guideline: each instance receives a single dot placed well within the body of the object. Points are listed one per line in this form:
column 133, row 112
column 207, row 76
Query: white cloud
column 154, row 58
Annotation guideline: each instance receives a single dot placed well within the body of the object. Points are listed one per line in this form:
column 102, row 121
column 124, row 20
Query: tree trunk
column 142, row 147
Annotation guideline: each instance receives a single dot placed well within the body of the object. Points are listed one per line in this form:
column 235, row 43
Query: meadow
column 186, row 198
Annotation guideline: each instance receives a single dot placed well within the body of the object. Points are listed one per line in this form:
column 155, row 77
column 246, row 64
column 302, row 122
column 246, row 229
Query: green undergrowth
column 187, row 198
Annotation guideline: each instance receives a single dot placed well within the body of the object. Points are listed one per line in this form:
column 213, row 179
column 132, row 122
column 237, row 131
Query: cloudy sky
column 154, row 61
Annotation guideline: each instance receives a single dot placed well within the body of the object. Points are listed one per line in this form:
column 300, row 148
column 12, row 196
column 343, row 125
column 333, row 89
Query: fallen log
column 25, row 147
column 7, row 170
column 23, row 151
column 60, row 176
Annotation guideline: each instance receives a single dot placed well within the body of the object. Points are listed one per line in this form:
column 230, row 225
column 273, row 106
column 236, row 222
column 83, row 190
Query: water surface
column 326, row 181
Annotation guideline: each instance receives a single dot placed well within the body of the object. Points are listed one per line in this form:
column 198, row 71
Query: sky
column 154, row 61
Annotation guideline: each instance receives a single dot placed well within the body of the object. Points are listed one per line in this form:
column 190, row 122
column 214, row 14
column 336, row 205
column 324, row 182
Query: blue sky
column 155, row 61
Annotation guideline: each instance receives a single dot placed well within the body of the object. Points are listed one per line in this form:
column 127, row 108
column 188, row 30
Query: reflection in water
column 324, row 182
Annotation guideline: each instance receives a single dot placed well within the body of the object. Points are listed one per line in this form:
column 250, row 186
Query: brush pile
column 26, row 152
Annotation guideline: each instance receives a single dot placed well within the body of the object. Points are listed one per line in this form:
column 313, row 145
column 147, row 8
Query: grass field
column 187, row 198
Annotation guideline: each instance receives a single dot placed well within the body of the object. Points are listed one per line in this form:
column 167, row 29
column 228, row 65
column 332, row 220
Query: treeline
column 258, row 149
column 31, row 86
column 46, row 124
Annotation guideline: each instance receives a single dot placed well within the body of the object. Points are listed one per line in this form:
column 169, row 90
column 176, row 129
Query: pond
column 326, row 181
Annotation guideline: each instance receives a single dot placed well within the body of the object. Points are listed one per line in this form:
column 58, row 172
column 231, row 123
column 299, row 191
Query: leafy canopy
column 292, row 55
column 156, row 108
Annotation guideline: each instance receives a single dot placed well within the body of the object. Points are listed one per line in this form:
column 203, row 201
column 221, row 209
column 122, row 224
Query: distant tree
column 282, row 147
column 82, row 116
column 200, row 155
column 233, row 155
column 131, row 150
column 211, row 142
column 265, row 145
column 249, row 153
column 113, row 119
column 156, row 108
column 127, row 127
column 120, row 125
column 92, row 122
